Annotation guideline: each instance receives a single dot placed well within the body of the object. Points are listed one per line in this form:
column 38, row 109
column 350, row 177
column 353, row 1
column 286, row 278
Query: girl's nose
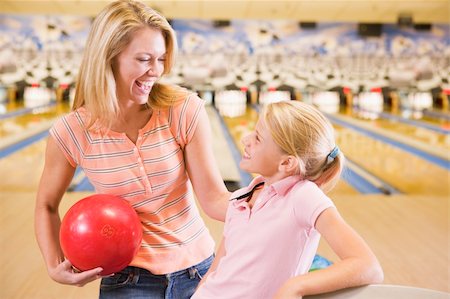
column 245, row 139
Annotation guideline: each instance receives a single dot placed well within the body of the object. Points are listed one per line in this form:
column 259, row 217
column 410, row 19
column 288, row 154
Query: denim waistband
column 140, row 271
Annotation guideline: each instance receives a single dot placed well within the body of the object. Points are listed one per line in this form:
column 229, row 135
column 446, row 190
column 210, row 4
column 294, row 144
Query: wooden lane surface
column 21, row 171
column 12, row 106
column 224, row 158
column 432, row 138
column 18, row 124
column 417, row 133
column 407, row 172
column 409, row 235
column 22, row 270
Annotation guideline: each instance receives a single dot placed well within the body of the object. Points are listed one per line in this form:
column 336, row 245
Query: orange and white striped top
column 151, row 175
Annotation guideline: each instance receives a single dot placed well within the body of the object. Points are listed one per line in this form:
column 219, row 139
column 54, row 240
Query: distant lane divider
column 26, row 133
column 416, row 123
column 25, row 111
column 22, row 144
column 366, row 182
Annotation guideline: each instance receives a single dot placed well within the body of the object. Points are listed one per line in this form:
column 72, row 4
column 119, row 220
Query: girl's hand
column 65, row 273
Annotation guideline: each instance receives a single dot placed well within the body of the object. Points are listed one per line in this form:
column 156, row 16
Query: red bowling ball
column 101, row 231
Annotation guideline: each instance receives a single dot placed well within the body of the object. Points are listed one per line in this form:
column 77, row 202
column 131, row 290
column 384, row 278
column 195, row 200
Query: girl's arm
column 55, row 179
column 203, row 171
column 357, row 265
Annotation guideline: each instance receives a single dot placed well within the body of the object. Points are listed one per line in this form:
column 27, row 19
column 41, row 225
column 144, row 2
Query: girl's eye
column 143, row 60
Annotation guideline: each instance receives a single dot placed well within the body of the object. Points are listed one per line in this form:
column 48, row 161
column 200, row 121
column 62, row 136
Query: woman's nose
column 150, row 70
column 153, row 67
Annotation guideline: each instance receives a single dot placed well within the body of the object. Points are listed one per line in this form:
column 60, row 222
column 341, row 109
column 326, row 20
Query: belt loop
column 192, row 271
column 134, row 276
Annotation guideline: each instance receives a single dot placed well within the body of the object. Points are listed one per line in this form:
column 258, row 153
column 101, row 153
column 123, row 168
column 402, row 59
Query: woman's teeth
column 146, row 85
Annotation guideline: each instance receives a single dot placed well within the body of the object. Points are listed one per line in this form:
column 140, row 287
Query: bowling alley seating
column 383, row 292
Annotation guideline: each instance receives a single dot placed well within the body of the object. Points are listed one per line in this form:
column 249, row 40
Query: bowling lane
column 438, row 140
column 7, row 107
column 22, row 123
column 242, row 125
column 439, row 117
column 407, row 172
column 224, row 157
column 24, row 275
column 20, row 171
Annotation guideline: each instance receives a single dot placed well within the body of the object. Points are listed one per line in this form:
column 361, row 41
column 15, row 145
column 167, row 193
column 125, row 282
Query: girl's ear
column 289, row 165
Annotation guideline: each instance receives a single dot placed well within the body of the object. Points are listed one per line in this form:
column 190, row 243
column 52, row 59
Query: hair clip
column 333, row 154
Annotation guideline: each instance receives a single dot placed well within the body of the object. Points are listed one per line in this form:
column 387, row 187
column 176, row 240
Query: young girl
column 273, row 226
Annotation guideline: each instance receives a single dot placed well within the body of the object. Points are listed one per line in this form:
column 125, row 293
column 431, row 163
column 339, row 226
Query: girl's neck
column 269, row 180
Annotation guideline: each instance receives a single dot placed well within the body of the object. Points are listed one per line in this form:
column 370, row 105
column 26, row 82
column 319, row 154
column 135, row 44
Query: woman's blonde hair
column 304, row 132
column 110, row 33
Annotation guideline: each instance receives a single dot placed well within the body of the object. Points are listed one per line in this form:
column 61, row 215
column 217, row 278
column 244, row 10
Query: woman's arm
column 357, row 265
column 203, row 171
column 55, row 179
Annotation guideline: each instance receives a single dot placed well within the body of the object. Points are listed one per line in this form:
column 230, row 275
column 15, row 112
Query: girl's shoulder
column 307, row 187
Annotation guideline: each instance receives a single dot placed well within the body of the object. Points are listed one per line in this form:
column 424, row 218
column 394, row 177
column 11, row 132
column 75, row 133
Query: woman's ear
column 289, row 165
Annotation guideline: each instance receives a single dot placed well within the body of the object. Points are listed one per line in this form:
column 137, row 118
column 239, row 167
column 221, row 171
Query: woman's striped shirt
column 151, row 175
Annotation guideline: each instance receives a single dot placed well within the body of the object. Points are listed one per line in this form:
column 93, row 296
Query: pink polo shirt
column 269, row 243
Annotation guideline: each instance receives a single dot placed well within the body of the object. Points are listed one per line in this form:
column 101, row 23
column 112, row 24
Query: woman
column 144, row 141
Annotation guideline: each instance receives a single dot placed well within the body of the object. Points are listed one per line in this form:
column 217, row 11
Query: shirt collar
column 282, row 186
column 240, row 192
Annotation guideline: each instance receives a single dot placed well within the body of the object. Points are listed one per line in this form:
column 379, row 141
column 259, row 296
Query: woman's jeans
column 136, row 283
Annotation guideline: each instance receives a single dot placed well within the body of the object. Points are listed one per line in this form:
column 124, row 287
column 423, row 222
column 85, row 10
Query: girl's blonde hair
column 304, row 132
column 110, row 33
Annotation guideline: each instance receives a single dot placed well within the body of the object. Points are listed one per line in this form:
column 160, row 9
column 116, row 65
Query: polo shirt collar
column 281, row 187
column 238, row 193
